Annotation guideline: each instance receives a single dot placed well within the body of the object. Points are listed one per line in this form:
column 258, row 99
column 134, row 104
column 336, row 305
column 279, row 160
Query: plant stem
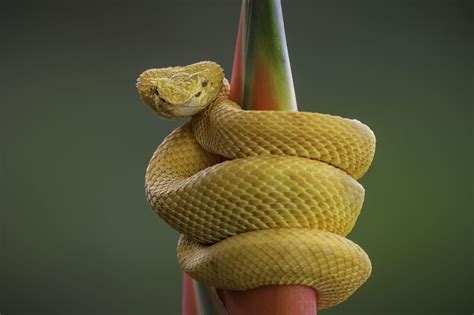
column 262, row 80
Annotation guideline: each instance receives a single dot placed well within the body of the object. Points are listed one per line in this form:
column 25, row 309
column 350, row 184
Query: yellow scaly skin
column 259, row 197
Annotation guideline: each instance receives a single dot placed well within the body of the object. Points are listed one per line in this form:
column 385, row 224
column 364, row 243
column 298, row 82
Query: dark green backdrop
column 77, row 236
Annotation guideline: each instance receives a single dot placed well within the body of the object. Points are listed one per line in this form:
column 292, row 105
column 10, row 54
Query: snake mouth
column 164, row 109
column 175, row 111
column 193, row 106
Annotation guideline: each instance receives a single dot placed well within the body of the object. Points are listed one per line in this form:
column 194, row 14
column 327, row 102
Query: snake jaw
column 191, row 107
column 176, row 111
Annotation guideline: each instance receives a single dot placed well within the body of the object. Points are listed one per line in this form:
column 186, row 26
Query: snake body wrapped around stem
column 259, row 197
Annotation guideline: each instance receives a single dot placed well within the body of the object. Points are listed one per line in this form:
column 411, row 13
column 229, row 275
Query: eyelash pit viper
column 259, row 197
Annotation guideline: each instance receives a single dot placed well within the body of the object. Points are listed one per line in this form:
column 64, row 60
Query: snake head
column 176, row 92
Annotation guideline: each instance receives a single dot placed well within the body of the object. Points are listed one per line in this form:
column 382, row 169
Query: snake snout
column 146, row 88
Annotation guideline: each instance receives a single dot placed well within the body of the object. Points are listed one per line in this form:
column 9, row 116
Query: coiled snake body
column 259, row 197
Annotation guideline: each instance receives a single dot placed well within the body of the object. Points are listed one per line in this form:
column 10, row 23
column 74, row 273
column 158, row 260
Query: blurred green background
column 76, row 234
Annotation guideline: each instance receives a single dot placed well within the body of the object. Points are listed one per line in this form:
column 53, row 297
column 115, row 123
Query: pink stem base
column 270, row 300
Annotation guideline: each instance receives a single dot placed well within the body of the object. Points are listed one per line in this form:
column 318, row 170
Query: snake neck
column 224, row 93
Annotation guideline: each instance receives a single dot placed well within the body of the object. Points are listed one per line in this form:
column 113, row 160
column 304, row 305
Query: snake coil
column 259, row 197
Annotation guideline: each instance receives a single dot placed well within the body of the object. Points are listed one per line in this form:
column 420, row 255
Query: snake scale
column 259, row 197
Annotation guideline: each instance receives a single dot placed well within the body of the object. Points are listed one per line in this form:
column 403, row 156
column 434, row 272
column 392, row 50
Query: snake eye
column 204, row 83
column 198, row 94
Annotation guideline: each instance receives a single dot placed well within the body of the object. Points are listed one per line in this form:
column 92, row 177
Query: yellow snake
column 259, row 197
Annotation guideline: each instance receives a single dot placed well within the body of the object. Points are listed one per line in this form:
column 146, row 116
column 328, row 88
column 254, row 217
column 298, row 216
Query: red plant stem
column 264, row 94
column 189, row 306
column 275, row 300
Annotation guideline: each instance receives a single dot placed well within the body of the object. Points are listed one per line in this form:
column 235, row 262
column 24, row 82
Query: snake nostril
column 198, row 94
column 154, row 90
